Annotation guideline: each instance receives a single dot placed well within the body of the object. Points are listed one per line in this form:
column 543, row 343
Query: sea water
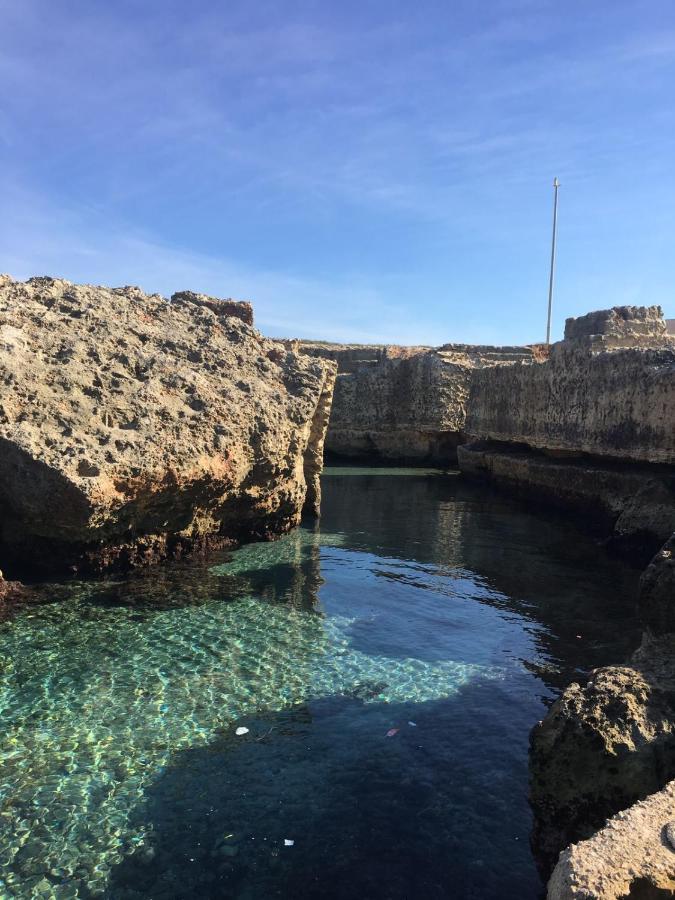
column 343, row 713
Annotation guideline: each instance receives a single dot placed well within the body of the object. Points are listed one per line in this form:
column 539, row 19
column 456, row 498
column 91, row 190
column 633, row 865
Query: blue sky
column 376, row 170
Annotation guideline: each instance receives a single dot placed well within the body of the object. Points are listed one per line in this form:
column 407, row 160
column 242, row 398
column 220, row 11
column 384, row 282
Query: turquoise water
column 388, row 665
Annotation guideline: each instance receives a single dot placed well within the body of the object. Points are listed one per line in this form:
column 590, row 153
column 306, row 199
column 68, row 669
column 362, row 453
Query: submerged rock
column 134, row 428
column 11, row 592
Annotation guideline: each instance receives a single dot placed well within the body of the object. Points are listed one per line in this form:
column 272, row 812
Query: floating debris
column 241, row 730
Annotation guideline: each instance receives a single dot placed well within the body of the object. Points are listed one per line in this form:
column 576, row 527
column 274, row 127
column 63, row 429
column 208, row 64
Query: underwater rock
column 11, row 592
column 134, row 428
column 611, row 742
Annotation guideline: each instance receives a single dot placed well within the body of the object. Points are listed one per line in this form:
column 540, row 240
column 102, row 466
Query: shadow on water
column 455, row 536
column 370, row 816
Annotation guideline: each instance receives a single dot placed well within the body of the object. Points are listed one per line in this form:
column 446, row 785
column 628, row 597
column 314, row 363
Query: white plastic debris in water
column 288, row 843
column 241, row 730
column 414, row 724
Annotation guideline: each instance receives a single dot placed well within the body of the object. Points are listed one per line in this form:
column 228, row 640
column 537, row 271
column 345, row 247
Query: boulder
column 632, row 856
column 134, row 428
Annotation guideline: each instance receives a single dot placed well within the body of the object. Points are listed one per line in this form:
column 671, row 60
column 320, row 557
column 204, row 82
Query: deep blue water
column 388, row 665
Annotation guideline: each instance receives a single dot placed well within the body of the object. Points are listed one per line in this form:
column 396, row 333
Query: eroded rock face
column 616, row 405
column 632, row 856
column 621, row 326
column 611, row 742
column 133, row 428
column 402, row 404
column 590, row 429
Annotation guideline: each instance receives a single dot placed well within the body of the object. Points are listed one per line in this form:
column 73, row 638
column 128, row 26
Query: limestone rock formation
column 402, row 404
column 632, row 856
column 616, row 405
column 611, row 742
column 621, row 326
column 133, row 428
column 11, row 592
column 591, row 429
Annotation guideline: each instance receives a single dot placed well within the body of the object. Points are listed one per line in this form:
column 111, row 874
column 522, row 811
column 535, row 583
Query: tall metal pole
column 556, row 185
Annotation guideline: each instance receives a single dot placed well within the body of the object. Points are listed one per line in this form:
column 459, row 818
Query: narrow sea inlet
column 342, row 713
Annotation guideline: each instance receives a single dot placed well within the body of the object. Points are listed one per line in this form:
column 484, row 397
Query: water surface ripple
column 388, row 665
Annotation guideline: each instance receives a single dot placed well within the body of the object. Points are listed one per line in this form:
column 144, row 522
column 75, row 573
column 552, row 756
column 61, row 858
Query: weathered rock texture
column 402, row 404
column 611, row 742
column 615, row 405
column 621, row 326
column 591, row 429
column 133, row 428
column 630, row 857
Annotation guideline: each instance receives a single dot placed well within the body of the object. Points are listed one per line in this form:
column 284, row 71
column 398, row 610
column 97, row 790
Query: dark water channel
column 388, row 666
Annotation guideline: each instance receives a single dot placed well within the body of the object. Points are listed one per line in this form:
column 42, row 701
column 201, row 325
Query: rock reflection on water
column 416, row 600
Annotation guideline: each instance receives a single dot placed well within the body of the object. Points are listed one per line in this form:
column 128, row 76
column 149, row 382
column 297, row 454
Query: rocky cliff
column 611, row 742
column 133, row 428
column 592, row 428
column 402, row 404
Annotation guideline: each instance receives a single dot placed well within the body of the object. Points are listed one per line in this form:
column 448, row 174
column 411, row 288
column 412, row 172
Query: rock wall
column 402, row 404
column 616, row 405
column 133, row 428
column 611, row 742
column 591, row 429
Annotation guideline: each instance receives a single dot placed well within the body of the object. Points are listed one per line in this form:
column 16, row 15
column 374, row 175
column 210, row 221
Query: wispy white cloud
column 410, row 141
column 80, row 245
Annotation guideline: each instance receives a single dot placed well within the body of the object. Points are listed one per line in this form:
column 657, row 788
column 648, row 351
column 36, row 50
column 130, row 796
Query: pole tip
column 556, row 183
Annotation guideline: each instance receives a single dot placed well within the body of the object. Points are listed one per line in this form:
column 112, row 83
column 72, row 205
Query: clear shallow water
column 418, row 600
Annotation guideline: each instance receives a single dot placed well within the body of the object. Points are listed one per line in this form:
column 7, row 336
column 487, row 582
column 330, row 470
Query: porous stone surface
column 133, row 428
column 630, row 857
column 621, row 326
column 240, row 309
column 609, row 743
column 618, row 404
column 402, row 404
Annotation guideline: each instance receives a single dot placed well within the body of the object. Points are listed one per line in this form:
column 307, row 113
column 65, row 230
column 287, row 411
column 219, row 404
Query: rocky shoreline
column 592, row 430
column 589, row 430
column 136, row 429
column 402, row 405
